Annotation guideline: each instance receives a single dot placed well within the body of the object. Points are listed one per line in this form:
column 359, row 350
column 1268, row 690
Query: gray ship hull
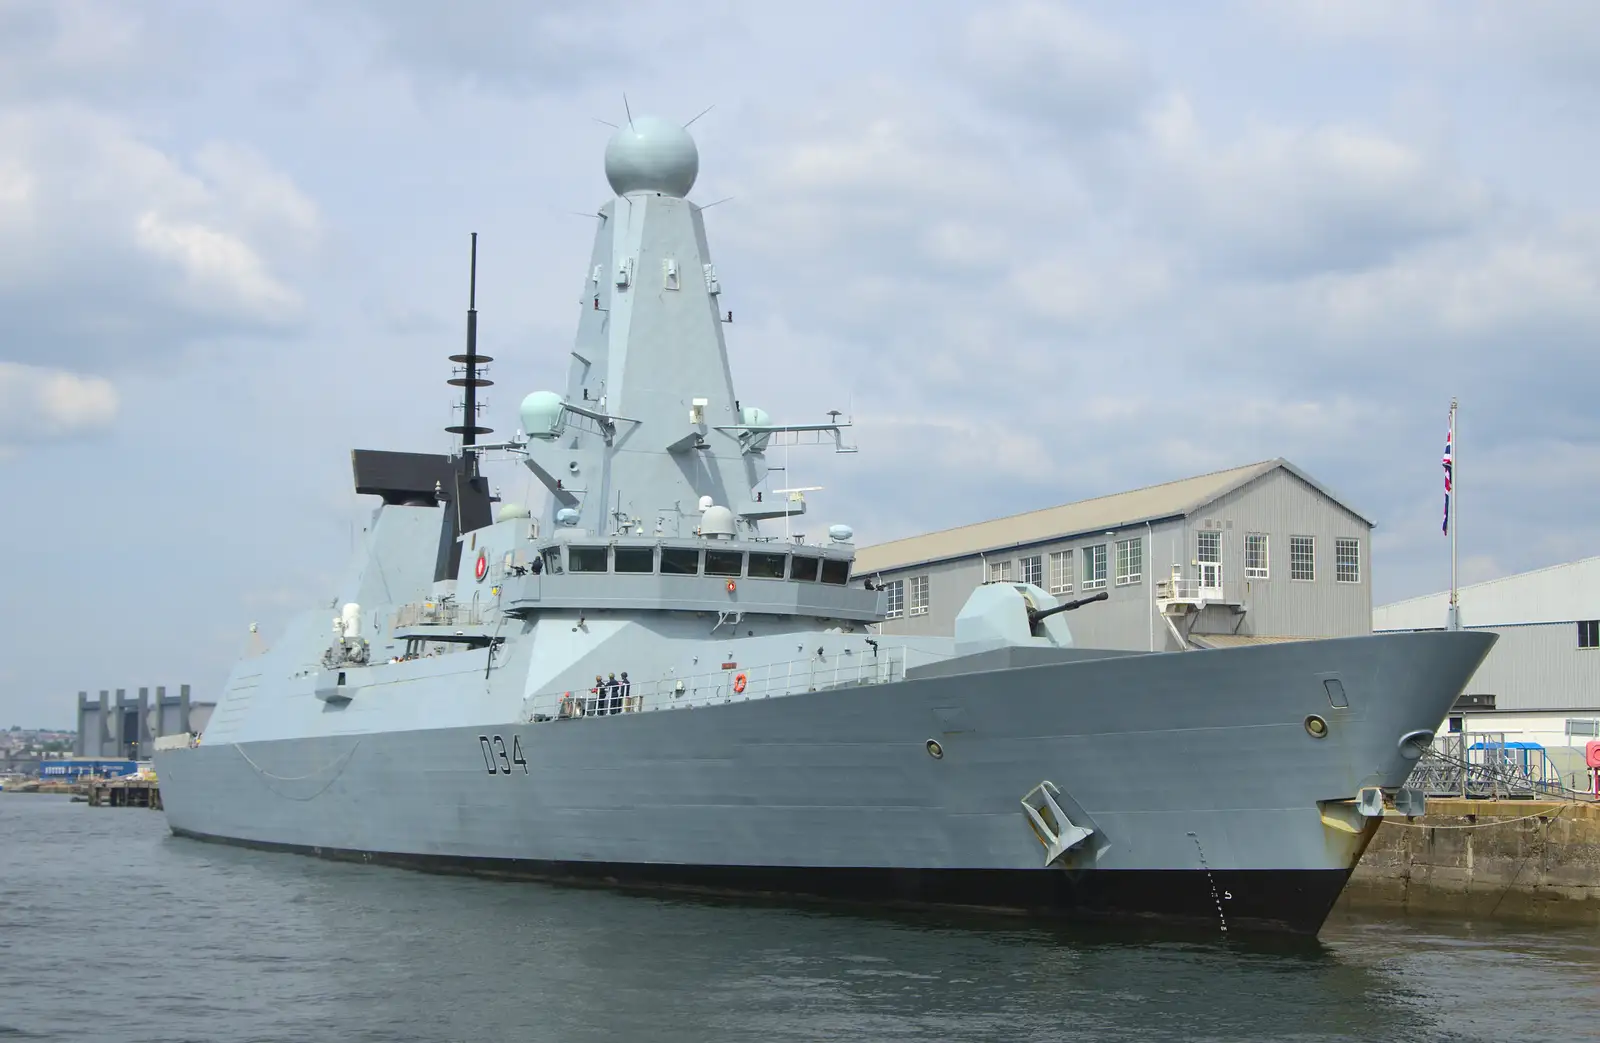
column 1208, row 799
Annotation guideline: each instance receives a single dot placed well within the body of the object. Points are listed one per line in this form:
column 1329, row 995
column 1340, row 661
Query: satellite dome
column 541, row 414
column 841, row 533
column 509, row 511
column 566, row 516
column 718, row 521
column 651, row 155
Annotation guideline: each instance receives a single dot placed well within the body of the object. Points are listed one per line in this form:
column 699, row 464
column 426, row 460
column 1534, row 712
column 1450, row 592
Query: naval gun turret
column 1000, row 615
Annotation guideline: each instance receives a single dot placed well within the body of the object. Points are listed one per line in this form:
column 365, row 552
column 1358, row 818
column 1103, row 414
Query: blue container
column 73, row 768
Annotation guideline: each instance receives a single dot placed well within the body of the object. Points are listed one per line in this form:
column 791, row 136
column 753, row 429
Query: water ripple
column 112, row 930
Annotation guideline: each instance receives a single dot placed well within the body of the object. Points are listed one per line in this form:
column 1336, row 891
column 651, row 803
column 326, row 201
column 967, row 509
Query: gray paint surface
column 767, row 724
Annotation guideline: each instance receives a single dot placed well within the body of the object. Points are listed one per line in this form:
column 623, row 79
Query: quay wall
column 1483, row 859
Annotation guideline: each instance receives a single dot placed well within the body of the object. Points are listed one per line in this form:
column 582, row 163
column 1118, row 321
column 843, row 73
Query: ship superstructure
column 665, row 680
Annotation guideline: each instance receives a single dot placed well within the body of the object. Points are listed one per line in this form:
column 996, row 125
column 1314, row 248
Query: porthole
column 935, row 750
column 1317, row 727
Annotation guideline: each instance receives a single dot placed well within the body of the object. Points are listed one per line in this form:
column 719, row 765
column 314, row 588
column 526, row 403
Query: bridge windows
column 586, row 559
column 724, row 563
column 766, row 566
column 721, row 561
column 680, row 561
column 634, row 559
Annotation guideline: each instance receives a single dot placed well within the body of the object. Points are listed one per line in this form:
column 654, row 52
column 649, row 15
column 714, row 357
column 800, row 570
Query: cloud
column 1285, row 201
column 85, row 50
column 38, row 405
column 1037, row 319
column 1047, row 62
column 1042, row 252
column 515, row 47
column 115, row 254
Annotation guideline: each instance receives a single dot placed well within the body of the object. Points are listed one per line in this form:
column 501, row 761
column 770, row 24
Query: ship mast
column 467, row 501
column 470, row 381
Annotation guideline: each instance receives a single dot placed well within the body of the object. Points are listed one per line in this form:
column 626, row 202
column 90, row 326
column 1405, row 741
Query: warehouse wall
column 1280, row 506
column 1277, row 504
column 1540, row 667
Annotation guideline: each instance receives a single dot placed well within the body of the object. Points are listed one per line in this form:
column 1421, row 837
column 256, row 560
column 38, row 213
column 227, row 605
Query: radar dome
column 541, row 414
column 717, row 521
column 841, row 533
column 566, row 516
column 509, row 511
column 651, row 155
column 755, row 416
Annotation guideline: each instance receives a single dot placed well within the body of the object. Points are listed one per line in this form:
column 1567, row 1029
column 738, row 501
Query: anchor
column 1052, row 825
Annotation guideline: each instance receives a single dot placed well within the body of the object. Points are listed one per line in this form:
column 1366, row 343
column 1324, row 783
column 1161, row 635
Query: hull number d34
column 498, row 759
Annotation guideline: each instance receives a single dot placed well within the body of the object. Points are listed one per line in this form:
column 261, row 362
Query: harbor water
column 112, row 930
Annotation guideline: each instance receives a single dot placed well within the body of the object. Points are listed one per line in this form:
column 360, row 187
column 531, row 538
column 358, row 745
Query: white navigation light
column 541, row 414
column 647, row 154
column 841, row 533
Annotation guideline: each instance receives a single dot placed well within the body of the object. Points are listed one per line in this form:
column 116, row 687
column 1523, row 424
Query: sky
column 1039, row 251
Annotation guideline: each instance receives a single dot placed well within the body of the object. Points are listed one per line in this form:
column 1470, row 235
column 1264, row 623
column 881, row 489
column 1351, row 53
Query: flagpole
column 1453, row 621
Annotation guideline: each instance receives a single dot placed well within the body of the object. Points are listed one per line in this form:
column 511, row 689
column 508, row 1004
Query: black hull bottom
column 1295, row 901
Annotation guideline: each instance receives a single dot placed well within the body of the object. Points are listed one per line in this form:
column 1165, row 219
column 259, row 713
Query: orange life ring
column 738, row 683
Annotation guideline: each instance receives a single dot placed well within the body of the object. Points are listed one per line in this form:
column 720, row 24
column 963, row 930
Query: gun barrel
column 1034, row 615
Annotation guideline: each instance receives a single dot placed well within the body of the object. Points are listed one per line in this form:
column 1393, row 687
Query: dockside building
column 1541, row 681
column 1255, row 553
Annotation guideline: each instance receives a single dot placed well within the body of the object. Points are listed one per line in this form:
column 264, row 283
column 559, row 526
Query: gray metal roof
column 1153, row 502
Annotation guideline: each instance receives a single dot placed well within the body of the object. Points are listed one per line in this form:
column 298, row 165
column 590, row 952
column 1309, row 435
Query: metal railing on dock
column 1484, row 765
column 731, row 685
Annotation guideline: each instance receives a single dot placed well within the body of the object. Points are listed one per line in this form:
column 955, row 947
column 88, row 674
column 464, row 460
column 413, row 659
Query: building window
column 1209, row 549
column 896, row 591
column 1130, row 561
column 1589, row 633
column 1346, row 560
column 999, row 572
column 1302, row 557
column 1094, row 567
column 1255, row 555
column 1033, row 570
column 919, row 595
column 1061, row 572
column 1582, row 728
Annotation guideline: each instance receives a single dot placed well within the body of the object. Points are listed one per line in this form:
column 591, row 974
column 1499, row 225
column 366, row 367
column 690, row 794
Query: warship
column 659, row 682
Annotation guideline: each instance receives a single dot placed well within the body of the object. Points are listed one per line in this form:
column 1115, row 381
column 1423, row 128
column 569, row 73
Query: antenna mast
column 470, row 381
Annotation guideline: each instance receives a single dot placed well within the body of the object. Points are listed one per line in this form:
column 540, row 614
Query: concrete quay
column 1533, row 861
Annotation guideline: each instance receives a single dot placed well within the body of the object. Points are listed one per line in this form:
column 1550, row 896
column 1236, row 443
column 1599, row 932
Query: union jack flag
column 1449, row 468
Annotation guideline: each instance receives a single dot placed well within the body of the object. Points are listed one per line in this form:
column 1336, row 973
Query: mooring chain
column 1215, row 897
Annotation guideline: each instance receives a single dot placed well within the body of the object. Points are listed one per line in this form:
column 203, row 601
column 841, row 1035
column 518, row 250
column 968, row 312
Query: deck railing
column 439, row 614
column 737, row 684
